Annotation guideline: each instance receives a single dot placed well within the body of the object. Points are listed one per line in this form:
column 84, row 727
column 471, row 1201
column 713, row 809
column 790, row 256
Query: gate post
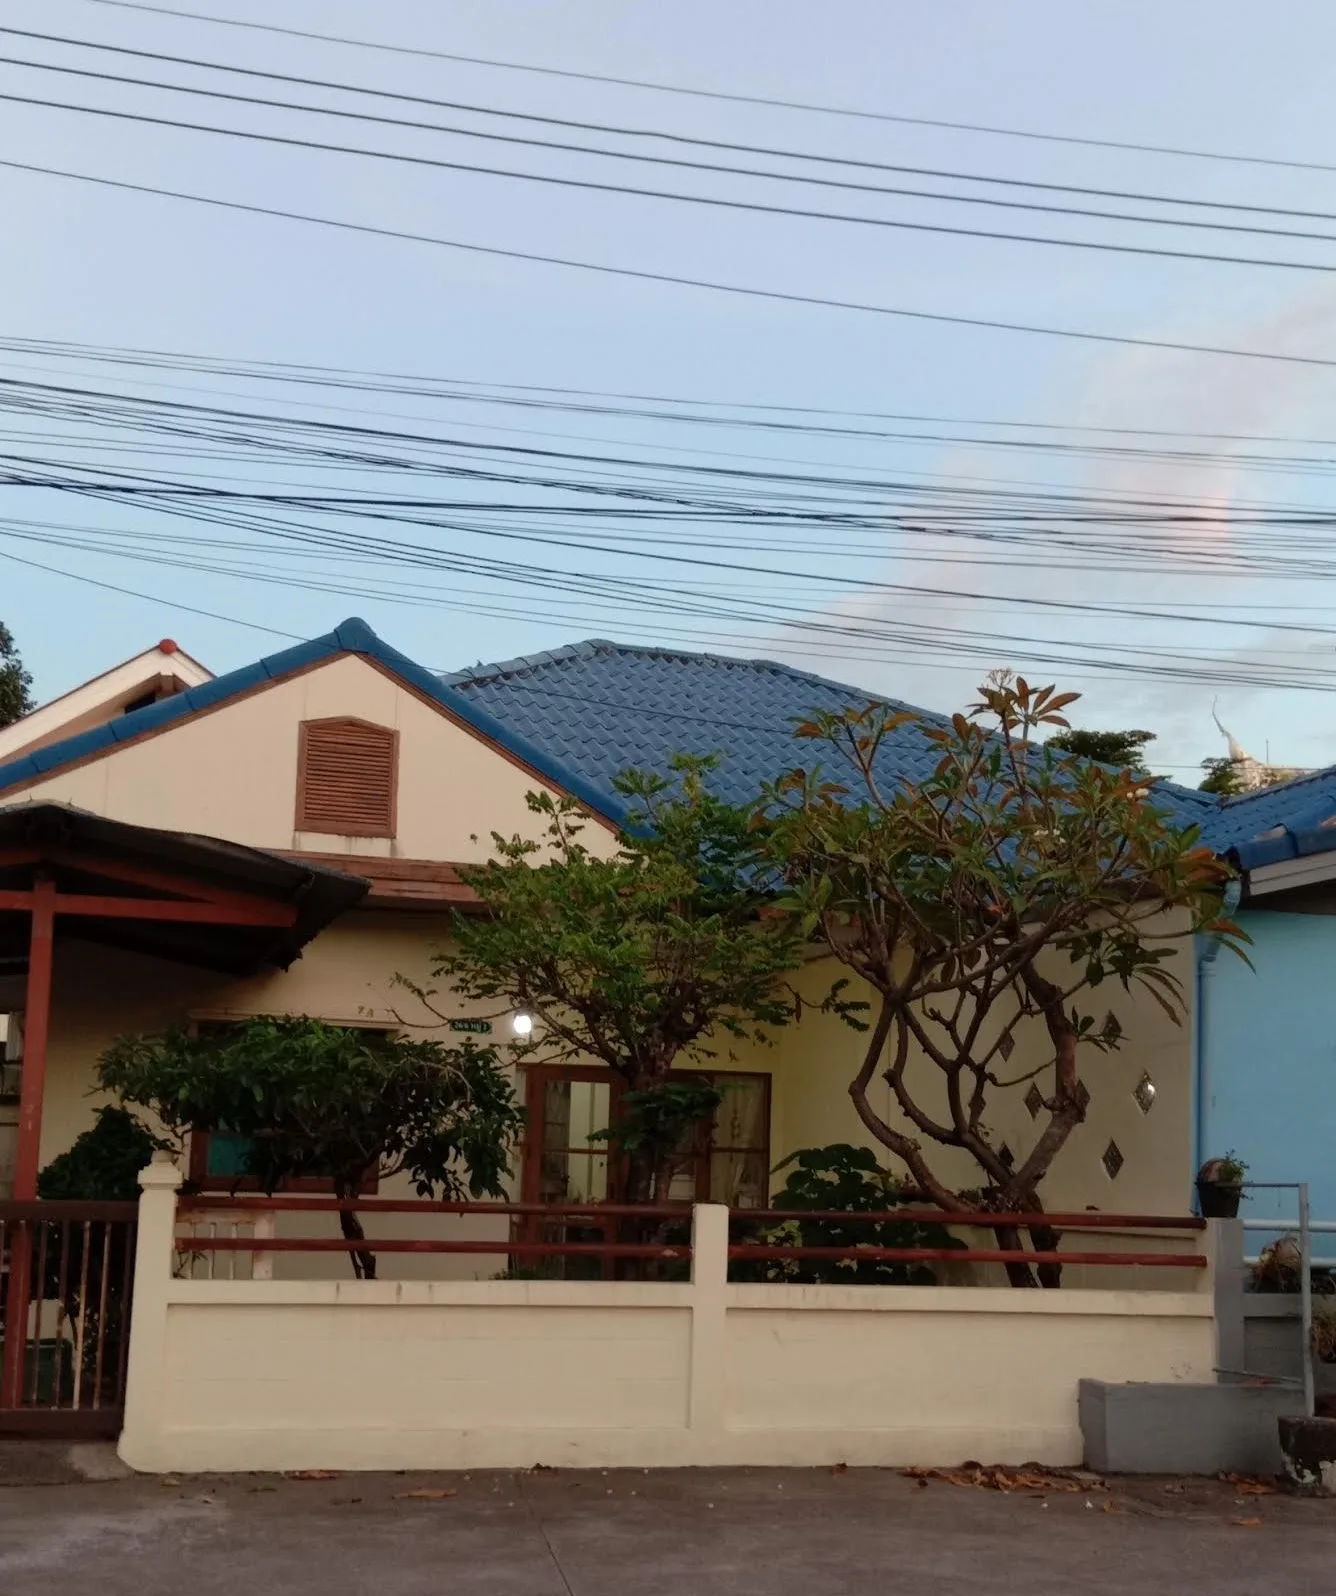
column 155, row 1256
column 709, row 1328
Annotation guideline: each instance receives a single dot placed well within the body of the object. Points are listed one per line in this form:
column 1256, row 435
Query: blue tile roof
column 602, row 707
column 579, row 715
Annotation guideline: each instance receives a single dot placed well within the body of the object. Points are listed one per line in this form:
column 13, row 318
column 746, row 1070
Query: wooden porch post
column 36, row 1025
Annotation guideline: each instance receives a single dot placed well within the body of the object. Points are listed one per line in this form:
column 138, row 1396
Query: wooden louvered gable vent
column 346, row 777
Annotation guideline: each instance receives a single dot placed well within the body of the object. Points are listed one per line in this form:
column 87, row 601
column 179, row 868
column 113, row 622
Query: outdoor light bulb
column 522, row 1024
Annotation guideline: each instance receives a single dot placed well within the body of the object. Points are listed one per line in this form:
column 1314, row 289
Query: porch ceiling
column 191, row 899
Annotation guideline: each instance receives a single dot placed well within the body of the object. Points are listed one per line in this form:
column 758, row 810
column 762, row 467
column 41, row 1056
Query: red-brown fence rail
column 522, row 1243
column 66, row 1283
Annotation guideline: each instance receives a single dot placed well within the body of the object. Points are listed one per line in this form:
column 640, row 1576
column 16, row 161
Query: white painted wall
column 270, row 1375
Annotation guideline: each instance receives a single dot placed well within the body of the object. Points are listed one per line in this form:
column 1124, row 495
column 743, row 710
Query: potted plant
column 1220, row 1186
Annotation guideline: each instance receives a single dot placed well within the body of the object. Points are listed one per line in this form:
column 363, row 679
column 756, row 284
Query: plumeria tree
column 985, row 902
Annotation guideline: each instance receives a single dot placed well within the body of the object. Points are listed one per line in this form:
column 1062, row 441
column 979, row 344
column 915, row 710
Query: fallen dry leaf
column 314, row 1474
column 994, row 1477
column 1247, row 1523
column 424, row 1493
column 1244, row 1485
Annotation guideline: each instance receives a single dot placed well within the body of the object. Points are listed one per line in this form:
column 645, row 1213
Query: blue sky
column 104, row 267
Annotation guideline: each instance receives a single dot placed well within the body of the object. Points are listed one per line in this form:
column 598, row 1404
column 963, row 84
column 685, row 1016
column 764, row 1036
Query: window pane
column 229, row 1155
column 739, row 1121
column 574, row 1169
column 738, row 1179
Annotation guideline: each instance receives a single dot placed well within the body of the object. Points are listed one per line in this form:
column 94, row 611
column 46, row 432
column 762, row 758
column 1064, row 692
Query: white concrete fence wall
column 264, row 1374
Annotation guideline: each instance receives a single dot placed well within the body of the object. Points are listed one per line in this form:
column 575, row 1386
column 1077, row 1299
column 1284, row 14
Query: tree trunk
column 364, row 1261
column 1008, row 1237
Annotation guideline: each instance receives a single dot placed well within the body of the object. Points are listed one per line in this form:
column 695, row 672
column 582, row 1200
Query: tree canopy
column 1222, row 776
column 646, row 960
column 1124, row 750
column 15, row 682
column 993, row 897
column 330, row 1101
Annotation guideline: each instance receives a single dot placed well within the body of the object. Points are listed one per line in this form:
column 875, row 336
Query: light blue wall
column 1268, row 1058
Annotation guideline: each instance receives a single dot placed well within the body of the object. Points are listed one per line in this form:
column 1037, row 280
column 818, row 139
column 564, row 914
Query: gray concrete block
column 1184, row 1429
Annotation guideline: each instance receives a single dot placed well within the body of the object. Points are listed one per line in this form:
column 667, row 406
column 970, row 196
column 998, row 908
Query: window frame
column 536, row 1078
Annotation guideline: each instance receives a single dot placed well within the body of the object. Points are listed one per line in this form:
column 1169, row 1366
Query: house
column 308, row 814
column 288, row 837
column 1266, row 1055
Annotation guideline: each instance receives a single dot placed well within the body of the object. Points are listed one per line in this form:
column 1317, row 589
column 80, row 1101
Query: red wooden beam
column 256, row 912
column 146, row 876
column 36, row 1025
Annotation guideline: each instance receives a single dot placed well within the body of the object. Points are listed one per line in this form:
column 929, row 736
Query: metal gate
column 66, row 1281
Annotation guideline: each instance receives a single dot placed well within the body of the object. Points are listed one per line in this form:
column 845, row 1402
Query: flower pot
column 1309, row 1450
column 1217, row 1201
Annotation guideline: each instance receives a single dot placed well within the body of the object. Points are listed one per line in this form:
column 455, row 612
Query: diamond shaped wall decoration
column 1006, row 1045
column 1144, row 1093
column 1007, row 1156
column 1034, row 1101
column 1112, row 1160
column 1083, row 1095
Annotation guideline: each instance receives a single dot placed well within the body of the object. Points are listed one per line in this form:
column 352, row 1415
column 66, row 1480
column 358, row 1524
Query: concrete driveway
column 697, row 1533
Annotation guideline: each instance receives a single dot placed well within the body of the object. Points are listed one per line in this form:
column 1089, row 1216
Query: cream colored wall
column 510, row 1374
column 232, row 772
column 346, row 976
column 814, row 1060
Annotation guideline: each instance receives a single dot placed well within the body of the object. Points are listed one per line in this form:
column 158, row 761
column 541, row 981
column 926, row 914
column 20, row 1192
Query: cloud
column 1176, row 392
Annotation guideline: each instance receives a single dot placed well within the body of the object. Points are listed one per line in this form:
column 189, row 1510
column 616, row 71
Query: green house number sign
column 472, row 1027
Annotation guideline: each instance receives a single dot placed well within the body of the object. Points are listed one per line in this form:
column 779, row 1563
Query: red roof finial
column 167, row 646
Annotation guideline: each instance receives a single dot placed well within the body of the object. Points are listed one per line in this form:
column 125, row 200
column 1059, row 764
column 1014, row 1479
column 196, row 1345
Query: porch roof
column 191, row 899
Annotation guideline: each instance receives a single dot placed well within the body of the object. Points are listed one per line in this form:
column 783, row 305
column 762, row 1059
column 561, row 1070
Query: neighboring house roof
column 579, row 715
column 158, row 672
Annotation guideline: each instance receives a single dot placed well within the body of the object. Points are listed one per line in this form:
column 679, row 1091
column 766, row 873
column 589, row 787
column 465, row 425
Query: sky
column 106, row 267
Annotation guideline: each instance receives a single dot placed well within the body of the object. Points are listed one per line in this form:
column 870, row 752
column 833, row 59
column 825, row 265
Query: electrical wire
column 617, row 130
column 561, row 398
column 773, row 102
column 714, row 202
column 776, row 295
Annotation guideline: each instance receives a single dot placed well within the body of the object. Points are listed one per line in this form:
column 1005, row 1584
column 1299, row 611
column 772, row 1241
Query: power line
column 718, row 94
column 550, row 397
column 621, row 131
column 151, row 598
column 642, row 275
column 715, row 202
